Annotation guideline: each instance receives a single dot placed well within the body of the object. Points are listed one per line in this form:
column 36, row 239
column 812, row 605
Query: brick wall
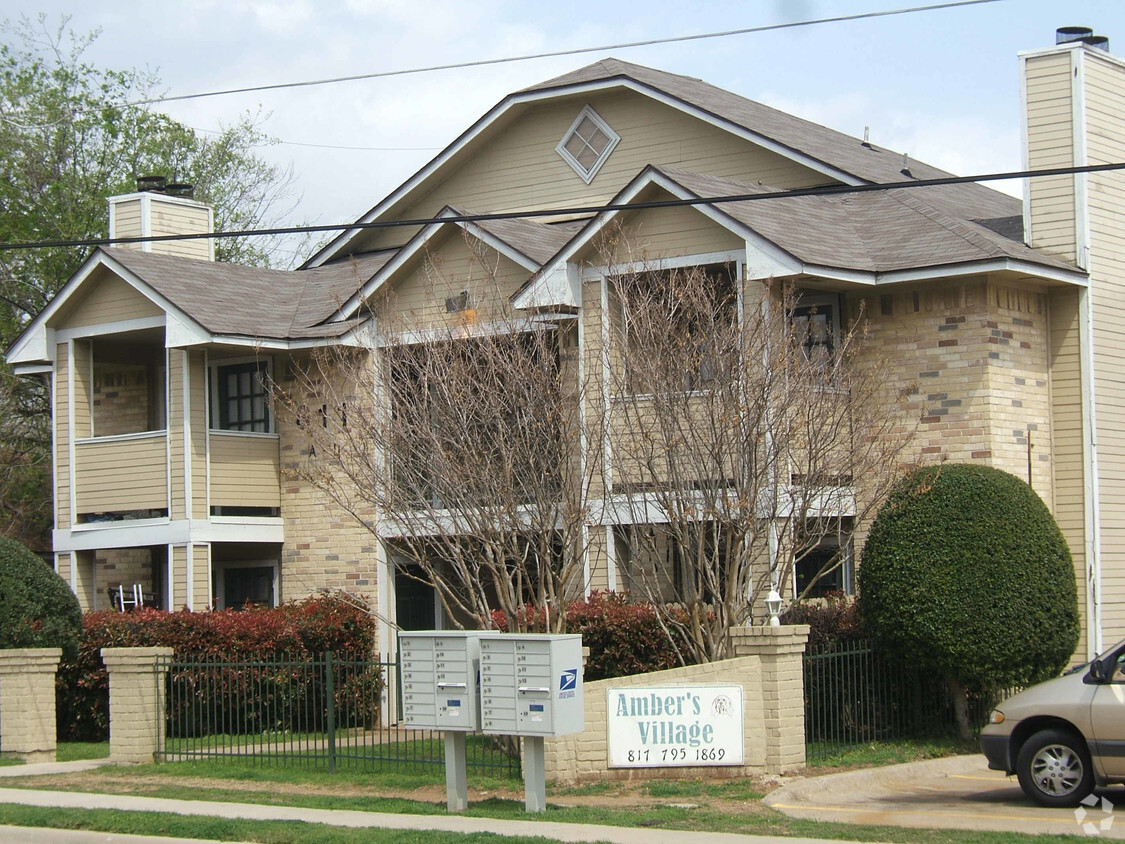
column 975, row 352
column 117, row 566
column 324, row 545
column 121, row 399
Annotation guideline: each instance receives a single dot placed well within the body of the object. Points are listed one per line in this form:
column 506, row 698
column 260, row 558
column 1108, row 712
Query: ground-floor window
column 831, row 557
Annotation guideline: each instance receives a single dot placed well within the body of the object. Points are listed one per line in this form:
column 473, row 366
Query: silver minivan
column 1066, row 736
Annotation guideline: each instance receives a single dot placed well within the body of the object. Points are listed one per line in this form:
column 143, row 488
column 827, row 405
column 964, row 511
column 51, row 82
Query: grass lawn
column 689, row 805
column 888, row 753
column 75, row 751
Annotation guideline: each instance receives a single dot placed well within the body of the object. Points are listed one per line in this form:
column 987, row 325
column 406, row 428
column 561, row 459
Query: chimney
column 160, row 208
column 1072, row 116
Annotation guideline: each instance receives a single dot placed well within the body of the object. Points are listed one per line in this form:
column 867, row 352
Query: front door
column 415, row 600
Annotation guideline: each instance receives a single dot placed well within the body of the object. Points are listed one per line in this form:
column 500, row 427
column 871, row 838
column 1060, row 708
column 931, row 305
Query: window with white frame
column 241, row 397
column 587, row 144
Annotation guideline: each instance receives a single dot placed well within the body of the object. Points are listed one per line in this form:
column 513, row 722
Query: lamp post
column 773, row 605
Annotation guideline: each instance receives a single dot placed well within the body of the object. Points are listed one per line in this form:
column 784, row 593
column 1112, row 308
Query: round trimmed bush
column 37, row 608
column 966, row 572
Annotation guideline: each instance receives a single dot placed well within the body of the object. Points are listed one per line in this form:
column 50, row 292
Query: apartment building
column 170, row 462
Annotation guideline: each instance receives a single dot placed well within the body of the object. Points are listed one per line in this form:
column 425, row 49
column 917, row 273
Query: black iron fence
column 329, row 711
column 855, row 696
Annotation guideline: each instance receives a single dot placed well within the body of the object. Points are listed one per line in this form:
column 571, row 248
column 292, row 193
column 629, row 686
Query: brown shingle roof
column 537, row 241
column 250, row 301
column 879, row 231
column 837, row 150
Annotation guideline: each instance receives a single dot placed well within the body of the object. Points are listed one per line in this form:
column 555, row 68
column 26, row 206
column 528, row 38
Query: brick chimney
column 159, row 208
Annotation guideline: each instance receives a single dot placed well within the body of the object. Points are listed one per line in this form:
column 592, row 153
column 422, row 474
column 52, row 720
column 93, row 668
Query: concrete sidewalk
column 373, row 820
column 43, row 768
column 45, row 835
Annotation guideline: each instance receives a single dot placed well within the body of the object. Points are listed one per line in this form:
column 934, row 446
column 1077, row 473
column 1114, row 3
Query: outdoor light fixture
column 773, row 604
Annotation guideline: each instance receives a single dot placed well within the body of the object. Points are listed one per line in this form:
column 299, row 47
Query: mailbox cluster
column 495, row 683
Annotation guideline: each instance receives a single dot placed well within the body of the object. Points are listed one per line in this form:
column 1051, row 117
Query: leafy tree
column 37, row 608
column 70, row 137
column 966, row 572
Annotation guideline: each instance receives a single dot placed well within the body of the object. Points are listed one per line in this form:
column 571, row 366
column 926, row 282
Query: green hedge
column 37, row 608
column 296, row 630
column 966, row 573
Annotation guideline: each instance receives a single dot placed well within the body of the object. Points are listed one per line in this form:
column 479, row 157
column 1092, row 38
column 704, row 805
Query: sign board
column 531, row 684
column 675, row 726
column 439, row 679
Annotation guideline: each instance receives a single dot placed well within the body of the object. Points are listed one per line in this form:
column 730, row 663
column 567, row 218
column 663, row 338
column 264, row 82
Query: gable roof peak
column 607, row 68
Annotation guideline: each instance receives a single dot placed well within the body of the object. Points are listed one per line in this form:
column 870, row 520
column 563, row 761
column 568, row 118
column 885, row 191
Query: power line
column 625, row 45
column 582, row 210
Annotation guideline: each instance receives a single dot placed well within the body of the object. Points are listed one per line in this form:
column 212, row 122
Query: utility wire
column 582, row 210
column 625, row 45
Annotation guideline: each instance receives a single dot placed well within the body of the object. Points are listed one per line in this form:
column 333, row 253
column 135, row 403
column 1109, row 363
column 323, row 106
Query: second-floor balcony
column 158, row 436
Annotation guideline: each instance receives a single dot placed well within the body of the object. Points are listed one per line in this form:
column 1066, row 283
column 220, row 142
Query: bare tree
column 456, row 440
column 741, row 433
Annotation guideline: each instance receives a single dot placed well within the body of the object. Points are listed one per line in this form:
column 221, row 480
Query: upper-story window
column 587, row 144
column 676, row 329
column 814, row 325
column 243, row 397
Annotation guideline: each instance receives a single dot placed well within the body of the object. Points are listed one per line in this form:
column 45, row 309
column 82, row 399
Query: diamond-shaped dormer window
column 587, row 144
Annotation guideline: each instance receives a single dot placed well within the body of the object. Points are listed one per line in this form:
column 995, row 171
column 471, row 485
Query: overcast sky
column 940, row 85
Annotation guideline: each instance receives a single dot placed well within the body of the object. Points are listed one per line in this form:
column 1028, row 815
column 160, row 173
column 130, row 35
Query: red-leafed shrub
column 836, row 619
column 624, row 637
column 294, row 631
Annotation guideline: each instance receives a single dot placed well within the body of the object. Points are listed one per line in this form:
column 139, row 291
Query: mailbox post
column 507, row 684
column 440, row 669
column 531, row 686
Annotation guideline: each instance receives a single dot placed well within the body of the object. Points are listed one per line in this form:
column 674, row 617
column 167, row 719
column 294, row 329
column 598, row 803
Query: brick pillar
column 781, row 651
column 27, row 703
column 136, row 702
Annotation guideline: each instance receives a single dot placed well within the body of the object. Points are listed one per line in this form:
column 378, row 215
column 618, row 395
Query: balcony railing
column 122, row 474
column 245, row 469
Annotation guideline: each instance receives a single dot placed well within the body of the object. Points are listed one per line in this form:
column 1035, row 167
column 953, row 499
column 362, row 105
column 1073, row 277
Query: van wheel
column 1054, row 768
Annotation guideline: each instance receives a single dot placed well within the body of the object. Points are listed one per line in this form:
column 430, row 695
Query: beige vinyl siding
column 179, row 596
column 108, row 299
column 673, row 232
column 197, row 391
column 1051, row 144
column 1105, row 125
column 115, row 475
column 127, row 220
column 1068, row 485
column 452, row 263
column 497, row 177
column 169, row 218
column 62, row 438
column 245, row 470
column 176, row 432
column 82, row 389
column 201, row 576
